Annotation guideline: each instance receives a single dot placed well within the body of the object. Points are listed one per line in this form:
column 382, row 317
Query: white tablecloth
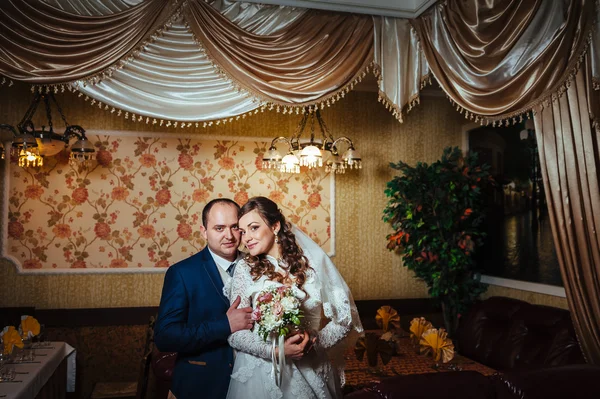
column 40, row 370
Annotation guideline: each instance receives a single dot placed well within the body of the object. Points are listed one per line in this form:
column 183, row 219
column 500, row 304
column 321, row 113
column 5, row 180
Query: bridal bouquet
column 277, row 312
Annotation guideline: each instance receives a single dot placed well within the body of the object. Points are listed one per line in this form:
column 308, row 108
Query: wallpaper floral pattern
column 139, row 207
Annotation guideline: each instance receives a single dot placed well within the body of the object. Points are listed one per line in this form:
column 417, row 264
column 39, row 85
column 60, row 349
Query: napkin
column 29, row 326
column 437, row 343
column 374, row 346
column 387, row 315
column 10, row 337
column 418, row 326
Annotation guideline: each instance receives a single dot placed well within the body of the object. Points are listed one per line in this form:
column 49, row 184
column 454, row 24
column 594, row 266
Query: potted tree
column 436, row 212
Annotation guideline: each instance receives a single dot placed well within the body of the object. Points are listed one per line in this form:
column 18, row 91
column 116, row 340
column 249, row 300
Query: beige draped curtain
column 315, row 59
column 498, row 62
column 519, row 56
column 43, row 44
column 401, row 67
column 311, row 61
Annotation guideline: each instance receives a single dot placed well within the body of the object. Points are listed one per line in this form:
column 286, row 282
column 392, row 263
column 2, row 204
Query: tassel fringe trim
column 6, row 81
column 398, row 111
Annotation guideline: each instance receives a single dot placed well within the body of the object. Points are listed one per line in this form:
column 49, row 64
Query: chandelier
column 30, row 146
column 312, row 153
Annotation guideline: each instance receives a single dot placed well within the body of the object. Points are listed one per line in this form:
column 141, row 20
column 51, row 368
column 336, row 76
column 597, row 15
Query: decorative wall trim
column 228, row 162
column 128, row 316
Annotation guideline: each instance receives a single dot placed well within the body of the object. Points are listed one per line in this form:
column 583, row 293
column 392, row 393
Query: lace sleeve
column 333, row 332
column 246, row 340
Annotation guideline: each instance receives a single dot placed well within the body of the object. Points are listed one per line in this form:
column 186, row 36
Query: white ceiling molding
column 388, row 8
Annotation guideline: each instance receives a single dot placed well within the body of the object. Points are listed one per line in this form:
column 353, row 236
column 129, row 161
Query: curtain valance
column 310, row 61
column 498, row 62
column 43, row 44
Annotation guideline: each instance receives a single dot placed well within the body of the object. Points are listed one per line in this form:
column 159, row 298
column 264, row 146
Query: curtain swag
column 276, row 58
column 497, row 64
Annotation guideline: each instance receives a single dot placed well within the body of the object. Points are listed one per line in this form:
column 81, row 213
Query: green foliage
column 436, row 213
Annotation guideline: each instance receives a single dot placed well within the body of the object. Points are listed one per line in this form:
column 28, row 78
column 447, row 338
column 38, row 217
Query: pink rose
column 256, row 315
column 277, row 309
column 265, row 298
column 281, row 290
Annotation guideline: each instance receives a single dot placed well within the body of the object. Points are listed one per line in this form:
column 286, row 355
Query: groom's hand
column 239, row 319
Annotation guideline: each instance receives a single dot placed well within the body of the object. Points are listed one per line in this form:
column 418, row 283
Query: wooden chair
column 130, row 389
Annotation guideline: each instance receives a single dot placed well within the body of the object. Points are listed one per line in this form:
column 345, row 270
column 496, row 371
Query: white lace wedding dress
column 311, row 377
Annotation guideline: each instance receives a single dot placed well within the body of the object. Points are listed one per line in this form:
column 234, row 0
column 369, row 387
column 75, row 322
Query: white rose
column 289, row 304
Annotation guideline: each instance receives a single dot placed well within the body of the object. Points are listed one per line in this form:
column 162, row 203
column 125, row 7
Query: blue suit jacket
column 192, row 321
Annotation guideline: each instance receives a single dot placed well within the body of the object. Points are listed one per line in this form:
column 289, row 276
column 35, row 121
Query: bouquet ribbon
column 278, row 365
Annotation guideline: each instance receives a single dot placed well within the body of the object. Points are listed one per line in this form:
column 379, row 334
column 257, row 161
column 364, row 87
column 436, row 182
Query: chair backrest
column 142, row 385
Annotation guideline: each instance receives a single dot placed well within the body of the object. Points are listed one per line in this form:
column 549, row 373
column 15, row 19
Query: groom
column 194, row 317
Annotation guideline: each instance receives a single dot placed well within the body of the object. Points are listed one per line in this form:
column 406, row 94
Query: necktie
column 230, row 269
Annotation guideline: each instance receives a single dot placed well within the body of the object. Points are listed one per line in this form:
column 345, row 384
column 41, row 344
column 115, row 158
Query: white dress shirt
column 222, row 266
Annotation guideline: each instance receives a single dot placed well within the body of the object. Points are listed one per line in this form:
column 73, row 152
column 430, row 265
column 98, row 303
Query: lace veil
column 338, row 303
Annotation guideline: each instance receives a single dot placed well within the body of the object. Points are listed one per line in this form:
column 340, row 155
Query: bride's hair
column 293, row 257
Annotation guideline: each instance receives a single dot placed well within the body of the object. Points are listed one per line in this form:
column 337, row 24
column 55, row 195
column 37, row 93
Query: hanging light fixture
column 30, row 146
column 314, row 152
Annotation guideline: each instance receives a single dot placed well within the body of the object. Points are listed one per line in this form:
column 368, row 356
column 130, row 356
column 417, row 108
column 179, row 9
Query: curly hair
column 295, row 263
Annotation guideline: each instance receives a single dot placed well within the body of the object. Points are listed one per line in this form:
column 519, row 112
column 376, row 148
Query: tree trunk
column 450, row 318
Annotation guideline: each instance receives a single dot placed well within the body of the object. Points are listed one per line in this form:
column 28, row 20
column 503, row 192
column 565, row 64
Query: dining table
column 49, row 373
column 406, row 359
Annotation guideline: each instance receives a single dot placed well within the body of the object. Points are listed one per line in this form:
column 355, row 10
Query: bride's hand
column 295, row 345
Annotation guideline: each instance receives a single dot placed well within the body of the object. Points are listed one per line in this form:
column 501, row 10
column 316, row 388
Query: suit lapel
column 213, row 274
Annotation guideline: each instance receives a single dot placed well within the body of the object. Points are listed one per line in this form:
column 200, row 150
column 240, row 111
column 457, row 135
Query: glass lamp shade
column 23, row 140
column 335, row 165
column 290, row 164
column 29, row 156
column 82, row 153
column 524, row 134
column 272, row 159
column 352, row 158
column 311, row 157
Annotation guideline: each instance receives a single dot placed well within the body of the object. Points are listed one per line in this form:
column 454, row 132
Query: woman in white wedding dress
column 280, row 254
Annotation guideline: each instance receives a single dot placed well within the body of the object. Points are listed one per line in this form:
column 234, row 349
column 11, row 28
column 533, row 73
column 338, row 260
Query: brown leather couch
column 562, row 382
column 505, row 334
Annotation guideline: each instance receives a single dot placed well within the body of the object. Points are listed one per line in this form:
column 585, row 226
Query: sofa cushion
column 571, row 381
column 506, row 333
column 456, row 384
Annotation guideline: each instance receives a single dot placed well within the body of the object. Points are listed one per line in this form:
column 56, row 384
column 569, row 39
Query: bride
column 280, row 254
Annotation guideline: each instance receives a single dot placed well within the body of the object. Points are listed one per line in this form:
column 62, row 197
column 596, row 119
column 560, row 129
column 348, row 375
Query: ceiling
column 389, row 8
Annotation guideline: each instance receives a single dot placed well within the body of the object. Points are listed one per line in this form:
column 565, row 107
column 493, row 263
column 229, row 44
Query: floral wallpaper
column 139, row 207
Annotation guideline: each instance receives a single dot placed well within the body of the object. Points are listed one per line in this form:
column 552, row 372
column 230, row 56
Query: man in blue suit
column 194, row 317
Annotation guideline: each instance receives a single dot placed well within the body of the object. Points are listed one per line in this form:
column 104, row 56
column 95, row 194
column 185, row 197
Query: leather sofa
column 571, row 381
column 506, row 334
